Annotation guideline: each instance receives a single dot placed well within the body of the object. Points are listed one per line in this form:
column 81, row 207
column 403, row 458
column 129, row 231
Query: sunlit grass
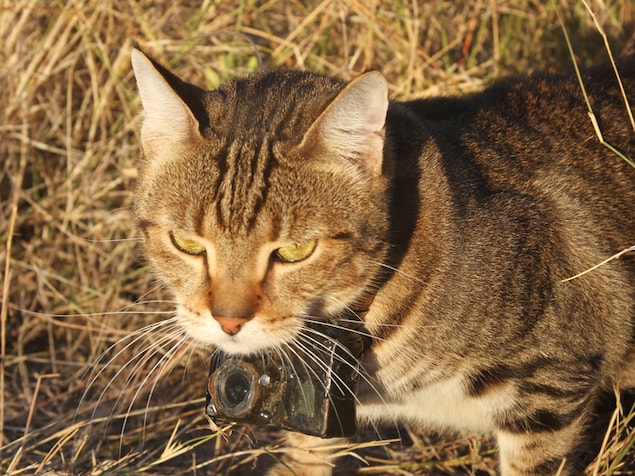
column 73, row 283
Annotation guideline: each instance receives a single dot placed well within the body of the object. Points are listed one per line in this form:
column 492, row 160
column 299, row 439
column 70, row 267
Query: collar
column 364, row 307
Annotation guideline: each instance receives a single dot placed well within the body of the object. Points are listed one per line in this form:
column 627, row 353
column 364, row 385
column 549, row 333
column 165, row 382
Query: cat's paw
column 304, row 455
column 295, row 469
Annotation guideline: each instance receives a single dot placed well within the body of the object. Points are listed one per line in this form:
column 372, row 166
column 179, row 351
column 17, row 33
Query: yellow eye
column 297, row 252
column 187, row 245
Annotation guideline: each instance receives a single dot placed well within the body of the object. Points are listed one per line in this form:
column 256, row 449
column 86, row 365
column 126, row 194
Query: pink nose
column 231, row 325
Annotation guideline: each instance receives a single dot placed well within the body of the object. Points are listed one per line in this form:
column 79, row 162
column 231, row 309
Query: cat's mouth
column 240, row 337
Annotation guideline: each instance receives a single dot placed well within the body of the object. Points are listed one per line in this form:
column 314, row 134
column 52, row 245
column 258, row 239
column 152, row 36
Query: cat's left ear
column 168, row 120
column 353, row 124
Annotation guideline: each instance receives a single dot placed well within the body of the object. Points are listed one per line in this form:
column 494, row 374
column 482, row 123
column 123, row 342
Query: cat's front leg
column 305, row 455
column 540, row 453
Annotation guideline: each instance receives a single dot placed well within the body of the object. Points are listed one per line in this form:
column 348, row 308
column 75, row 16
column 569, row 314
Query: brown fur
column 464, row 216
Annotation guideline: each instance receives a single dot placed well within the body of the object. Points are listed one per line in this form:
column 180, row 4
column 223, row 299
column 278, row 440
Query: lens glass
column 236, row 389
column 303, row 398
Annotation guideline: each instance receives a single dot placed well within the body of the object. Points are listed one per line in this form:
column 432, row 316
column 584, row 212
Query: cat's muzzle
column 310, row 390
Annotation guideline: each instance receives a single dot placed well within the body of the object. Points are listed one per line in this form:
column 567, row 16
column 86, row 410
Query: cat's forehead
column 240, row 190
column 276, row 103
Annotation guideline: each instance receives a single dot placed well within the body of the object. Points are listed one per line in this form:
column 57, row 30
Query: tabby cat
column 288, row 197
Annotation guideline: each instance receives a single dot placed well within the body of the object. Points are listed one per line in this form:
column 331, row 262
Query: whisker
column 338, row 326
column 360, row 319
column 161, row 366
column 284, row 357
column 133, row 337
column 322, row 365
column 295, row 371
column 90, row 314
column 341, row 385
column 320, row 344
column 194, row 346
column 361, row 372
column 413, row 351
column 114, row 240
column 397, row 270
column 141, row 360
column 405, row 326
column 157, row 287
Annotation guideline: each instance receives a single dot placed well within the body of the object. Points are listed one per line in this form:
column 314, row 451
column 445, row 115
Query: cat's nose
column 230, row 325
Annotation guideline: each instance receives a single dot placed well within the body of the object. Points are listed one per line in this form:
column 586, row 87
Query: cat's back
column 535, row 138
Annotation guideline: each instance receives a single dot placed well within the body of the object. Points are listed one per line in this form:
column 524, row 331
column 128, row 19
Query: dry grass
column 73, row 284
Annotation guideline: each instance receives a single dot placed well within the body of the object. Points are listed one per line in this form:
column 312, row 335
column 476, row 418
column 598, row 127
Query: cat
column 286, row 197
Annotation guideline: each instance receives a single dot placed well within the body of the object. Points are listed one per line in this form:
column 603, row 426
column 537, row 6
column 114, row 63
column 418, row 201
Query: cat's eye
column 296, row 252
column 187, row 245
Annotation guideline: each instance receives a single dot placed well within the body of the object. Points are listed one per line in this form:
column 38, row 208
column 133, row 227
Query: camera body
column 310, row 389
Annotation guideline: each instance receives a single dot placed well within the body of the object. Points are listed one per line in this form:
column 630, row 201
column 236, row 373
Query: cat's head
column 262, row 203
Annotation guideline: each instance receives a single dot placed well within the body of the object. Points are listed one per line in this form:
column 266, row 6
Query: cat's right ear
column 168, row 121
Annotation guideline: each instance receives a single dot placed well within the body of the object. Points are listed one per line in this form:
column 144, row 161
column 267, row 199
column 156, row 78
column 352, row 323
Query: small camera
column 309, row 389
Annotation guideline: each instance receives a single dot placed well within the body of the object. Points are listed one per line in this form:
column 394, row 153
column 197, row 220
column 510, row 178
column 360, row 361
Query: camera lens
column 234, row 387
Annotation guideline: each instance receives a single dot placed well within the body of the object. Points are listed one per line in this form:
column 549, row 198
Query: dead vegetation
column 72, row 400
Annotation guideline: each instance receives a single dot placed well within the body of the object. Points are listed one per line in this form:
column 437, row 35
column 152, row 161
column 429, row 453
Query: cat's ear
column 353, row 124
column 168, row 120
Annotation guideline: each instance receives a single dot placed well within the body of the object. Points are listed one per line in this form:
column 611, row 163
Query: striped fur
column 462, row 217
